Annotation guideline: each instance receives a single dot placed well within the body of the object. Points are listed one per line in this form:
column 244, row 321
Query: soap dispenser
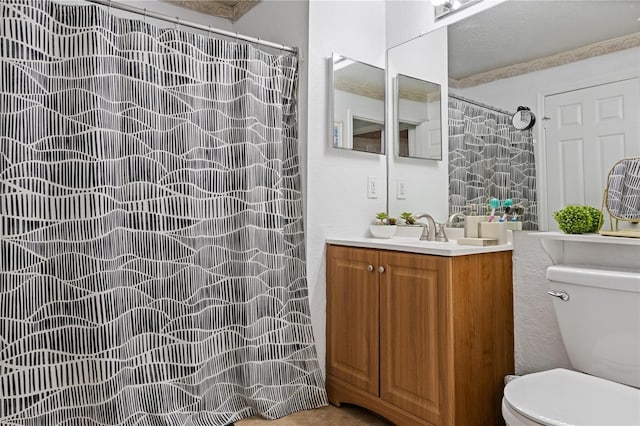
column 472, row 221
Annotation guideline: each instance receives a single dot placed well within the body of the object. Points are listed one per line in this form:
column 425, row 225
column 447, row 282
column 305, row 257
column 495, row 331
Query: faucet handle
column 441, row 235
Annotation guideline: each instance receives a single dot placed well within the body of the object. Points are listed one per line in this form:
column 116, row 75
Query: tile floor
column 345, row 416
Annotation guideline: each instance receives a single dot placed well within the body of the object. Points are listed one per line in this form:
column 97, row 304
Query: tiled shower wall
column 489, row 158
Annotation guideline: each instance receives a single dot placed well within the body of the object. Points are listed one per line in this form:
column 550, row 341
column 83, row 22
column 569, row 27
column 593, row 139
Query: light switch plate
column 401, row 189
column 372, row 187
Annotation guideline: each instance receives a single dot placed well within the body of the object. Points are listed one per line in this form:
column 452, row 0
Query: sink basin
column 408, row 231
column 454, row 233
column 414, row 232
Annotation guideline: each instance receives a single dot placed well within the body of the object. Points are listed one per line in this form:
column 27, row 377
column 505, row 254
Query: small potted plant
column 411, row 228
column 408, row 218
column 383, row 227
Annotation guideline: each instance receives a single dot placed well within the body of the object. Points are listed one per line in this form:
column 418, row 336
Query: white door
column 586, row 132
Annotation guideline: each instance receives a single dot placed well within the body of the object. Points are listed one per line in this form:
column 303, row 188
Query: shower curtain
column 151, row 235
column 489, row 158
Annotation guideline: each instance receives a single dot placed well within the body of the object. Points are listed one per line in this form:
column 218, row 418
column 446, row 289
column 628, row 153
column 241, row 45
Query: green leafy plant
column 383, row 219
column 408, row 218
column 596, row 218
column 578, row 219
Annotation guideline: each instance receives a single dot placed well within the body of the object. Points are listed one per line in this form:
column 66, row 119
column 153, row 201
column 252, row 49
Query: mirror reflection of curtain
column 151, row 235
column 489, row 158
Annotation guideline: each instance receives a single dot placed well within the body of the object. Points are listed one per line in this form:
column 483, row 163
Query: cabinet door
column 352, row 316
column 415, row 370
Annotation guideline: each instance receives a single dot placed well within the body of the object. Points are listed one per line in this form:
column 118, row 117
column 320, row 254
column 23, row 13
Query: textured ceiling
column 229, row 9
column 518, row 31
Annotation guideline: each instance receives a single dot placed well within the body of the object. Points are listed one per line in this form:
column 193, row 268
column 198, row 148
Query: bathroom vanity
column 419, row 338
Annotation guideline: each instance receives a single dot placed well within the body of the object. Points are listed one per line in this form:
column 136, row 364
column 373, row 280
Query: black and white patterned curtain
column 152, row 266
column 489, row 158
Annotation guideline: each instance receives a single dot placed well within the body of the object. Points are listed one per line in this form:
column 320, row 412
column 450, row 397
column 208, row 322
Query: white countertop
column 414, row 245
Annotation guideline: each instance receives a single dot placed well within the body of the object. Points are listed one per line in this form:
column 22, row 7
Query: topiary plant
column 596, row 218
column 574, row 220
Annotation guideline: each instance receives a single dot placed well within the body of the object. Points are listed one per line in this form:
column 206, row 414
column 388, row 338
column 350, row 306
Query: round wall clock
column 523, row 119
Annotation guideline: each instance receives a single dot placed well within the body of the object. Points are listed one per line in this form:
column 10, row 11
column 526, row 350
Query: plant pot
column 382, row 231
column 409, row 231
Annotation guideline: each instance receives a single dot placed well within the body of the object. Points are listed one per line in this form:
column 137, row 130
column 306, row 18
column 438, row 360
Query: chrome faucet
column 453, row 217
column 431, row 231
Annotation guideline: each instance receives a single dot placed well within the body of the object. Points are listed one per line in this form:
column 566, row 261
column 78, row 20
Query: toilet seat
column 561, row 397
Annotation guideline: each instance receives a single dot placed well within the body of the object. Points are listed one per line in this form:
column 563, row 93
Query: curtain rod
column 485, row 106
column 178, row 21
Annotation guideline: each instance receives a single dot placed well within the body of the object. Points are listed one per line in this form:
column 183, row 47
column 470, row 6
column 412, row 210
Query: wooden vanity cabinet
column 419, row 339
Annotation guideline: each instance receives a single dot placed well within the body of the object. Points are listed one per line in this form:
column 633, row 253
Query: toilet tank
column 600, row 321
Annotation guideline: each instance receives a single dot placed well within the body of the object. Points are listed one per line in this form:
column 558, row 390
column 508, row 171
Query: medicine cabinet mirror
column 417, row 118
column 358, row 105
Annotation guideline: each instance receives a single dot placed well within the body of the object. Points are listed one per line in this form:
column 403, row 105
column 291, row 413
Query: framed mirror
column 622, row 191
column 358, row 96
column 417, row 117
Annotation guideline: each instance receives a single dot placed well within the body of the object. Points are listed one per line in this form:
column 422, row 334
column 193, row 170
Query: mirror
column 358, row 105
column 418, row 118
column 623, row 190
column 524, row 53
column 416, row 185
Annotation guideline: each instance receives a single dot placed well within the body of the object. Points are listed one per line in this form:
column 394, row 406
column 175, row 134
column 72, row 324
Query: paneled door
column 414, row 321
column 586, row 132
column 352, row 316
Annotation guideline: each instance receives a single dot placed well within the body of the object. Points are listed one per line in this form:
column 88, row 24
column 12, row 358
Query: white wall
column 336, row 178
column 407, row 19
column 537, row 341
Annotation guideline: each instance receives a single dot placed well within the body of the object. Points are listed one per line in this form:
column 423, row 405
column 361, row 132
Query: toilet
column 598, row 311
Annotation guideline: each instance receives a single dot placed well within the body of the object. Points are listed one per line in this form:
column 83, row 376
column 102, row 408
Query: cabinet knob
column 370, row 268
column 381, row 269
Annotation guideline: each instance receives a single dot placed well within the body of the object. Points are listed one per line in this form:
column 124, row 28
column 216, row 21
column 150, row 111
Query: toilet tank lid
column 564, row 397
column 626, row 280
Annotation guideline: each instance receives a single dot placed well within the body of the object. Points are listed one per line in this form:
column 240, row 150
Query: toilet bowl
column 562, row 397
column 598, row 311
